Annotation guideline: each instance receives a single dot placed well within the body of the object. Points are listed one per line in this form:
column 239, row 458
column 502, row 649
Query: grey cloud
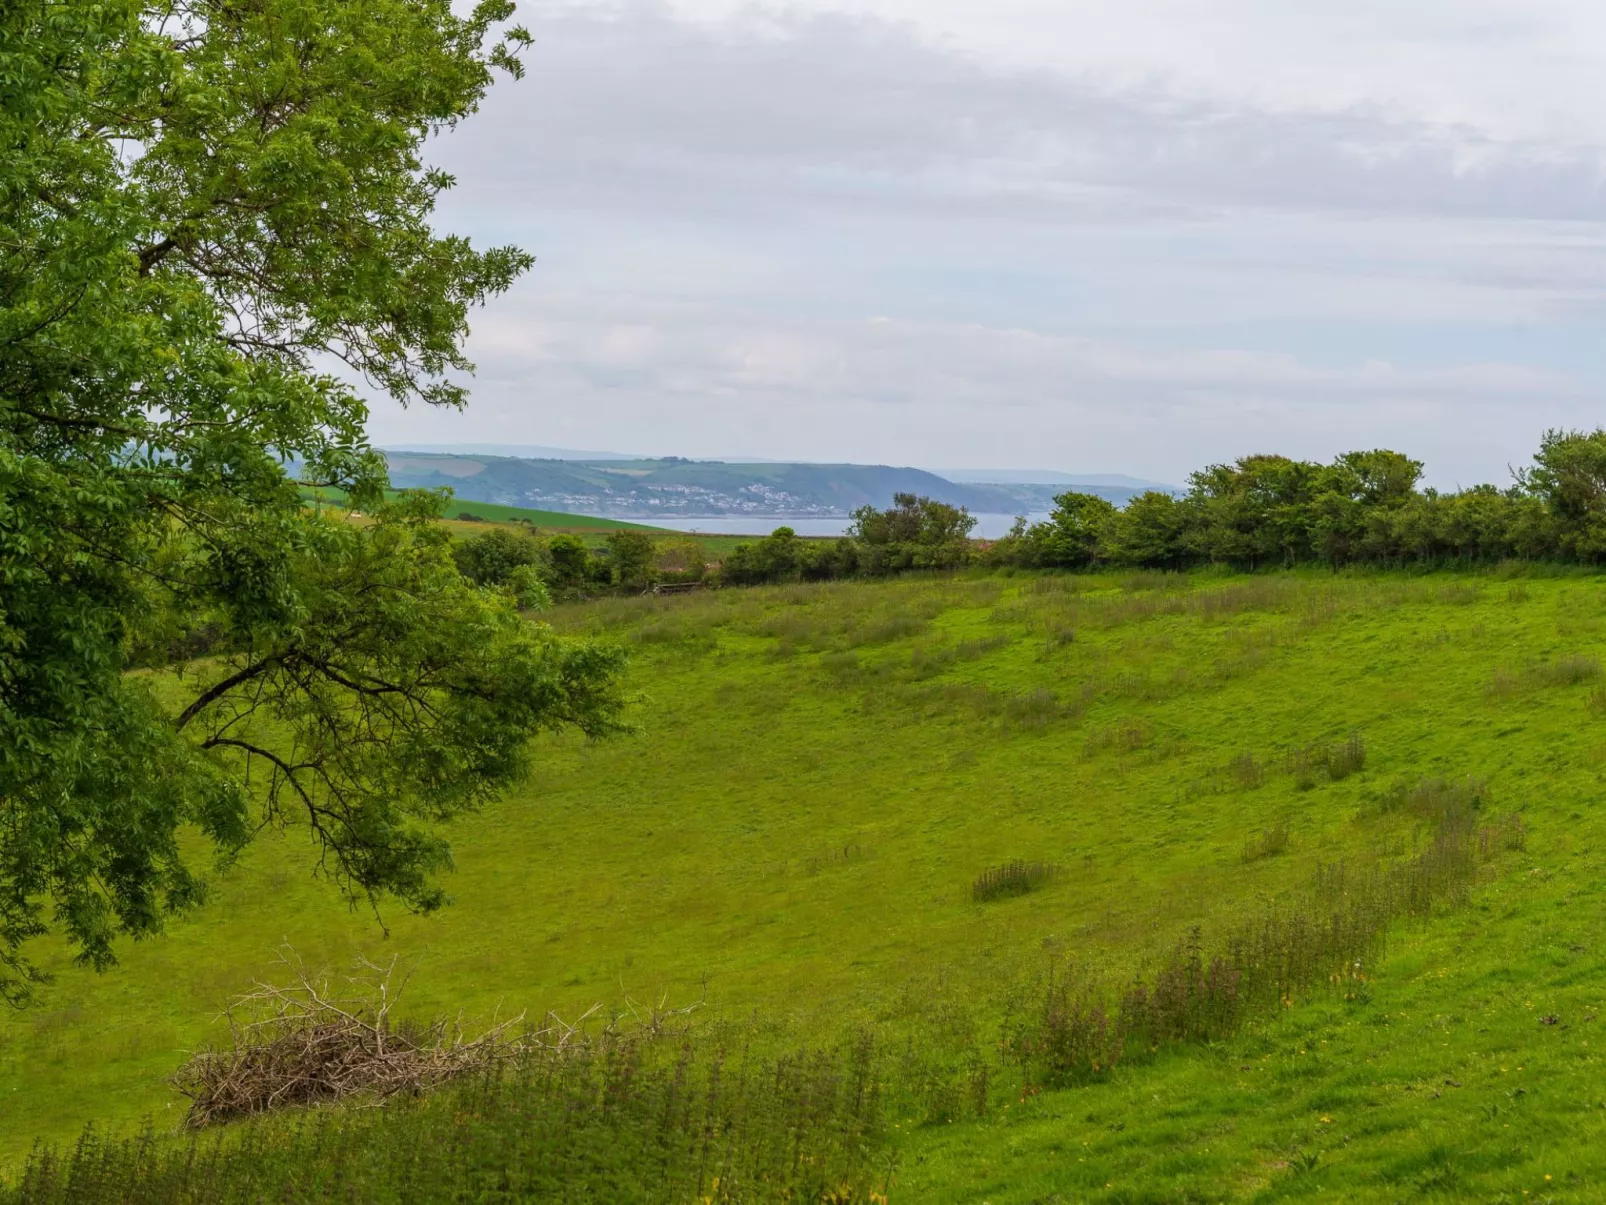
column 634, row 108
column 693, row 352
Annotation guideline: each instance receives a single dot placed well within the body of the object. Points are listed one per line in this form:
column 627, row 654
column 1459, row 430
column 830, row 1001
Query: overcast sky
column 1067, row 234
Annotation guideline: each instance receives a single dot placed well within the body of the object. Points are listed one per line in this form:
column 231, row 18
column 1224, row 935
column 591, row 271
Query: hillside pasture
column 822, row 775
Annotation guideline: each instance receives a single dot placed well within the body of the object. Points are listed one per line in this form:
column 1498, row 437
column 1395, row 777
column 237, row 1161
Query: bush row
column 1261, row 511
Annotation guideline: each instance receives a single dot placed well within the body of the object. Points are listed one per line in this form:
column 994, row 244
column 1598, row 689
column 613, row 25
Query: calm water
column 988, row 527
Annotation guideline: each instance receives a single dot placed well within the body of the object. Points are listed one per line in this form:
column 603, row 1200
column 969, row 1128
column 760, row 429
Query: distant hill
column 676, row 487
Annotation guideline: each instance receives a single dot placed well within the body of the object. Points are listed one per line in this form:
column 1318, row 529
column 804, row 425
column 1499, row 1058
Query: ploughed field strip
column 1136, row 887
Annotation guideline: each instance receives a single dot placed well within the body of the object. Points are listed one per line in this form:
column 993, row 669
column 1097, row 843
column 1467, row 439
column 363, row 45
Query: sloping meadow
column 1022, row 845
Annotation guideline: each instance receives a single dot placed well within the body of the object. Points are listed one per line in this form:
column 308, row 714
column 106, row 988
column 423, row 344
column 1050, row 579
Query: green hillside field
column 593, row 529
column 820, row 774
column 552, row 520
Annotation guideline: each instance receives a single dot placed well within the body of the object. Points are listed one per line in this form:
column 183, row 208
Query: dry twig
column 308, row 1044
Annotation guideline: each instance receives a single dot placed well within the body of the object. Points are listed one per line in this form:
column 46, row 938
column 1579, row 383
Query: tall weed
column 1328, row 935
column 1012, row 879
column 1268, row 844
column 1574, row 669
column 1337, row 762
column 625, row 1122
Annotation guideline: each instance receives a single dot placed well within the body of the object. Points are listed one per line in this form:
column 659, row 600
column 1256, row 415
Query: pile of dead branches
column 311, row 1043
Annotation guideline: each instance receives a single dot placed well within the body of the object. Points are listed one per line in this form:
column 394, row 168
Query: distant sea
column 988, row 527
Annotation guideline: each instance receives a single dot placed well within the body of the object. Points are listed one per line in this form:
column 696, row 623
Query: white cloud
column 892, row 390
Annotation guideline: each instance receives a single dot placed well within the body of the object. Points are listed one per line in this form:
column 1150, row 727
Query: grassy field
column 821, row 774
column 549, row 520
column 590, row 528
column 491, row 512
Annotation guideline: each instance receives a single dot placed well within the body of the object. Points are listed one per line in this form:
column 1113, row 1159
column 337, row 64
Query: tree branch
column 154, row 254
column 219, row 689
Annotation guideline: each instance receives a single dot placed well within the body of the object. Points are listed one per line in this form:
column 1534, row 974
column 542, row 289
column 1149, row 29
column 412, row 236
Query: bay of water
column 988, row 526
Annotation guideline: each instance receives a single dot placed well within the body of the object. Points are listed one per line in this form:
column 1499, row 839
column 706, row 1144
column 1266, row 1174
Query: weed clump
column 1012, row 879
column 1461, row 594
column 1437, row 799
column 840, row 665
column 1057, row 634
column 927, row 660
column 1268, row 844
column 1572, row 670
column 1034, row 709
column 1247, row 772
column 1338, row 762
column 1329, row 934
column 1346, row 759
column 851, row 852
column 1127, row 737
column 1154, row 579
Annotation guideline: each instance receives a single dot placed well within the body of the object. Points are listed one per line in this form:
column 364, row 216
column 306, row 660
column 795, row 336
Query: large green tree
column 204, row 204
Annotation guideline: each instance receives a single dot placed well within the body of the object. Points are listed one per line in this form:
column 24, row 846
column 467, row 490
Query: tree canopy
column 204, row 205
column 1267, row 511
column 1259, row 512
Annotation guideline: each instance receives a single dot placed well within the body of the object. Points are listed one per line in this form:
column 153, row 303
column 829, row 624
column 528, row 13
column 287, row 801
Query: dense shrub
column 570, row 562
column 630, row 558
column 492, row 557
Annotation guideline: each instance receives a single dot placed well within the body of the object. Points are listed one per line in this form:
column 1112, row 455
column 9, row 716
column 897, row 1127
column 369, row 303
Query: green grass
column 547, row 520
column 591, row 528
column 553, row 520
column 822, row 774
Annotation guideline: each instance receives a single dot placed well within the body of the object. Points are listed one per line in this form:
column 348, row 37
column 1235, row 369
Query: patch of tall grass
column 1154, row 579
column 927, row 660
column 1436, row 799
column 1337, row 762
column 1128, row 736
column 1027, row 711
column 1574, row 669
column 1012, row 879
column 616, row 1122
column 1328, row 935
column 1268, row 844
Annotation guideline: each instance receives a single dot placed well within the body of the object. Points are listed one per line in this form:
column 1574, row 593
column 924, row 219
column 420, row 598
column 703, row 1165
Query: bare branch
column 219, row 689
